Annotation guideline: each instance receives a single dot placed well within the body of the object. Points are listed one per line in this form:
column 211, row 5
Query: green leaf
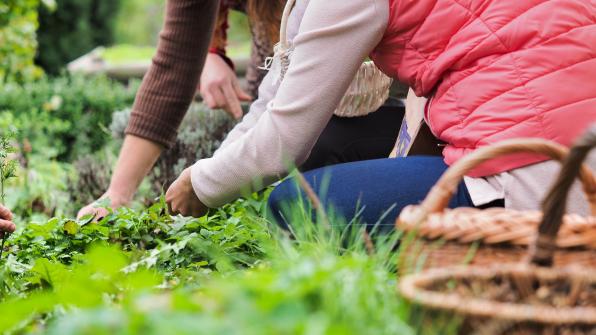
column 71, row 227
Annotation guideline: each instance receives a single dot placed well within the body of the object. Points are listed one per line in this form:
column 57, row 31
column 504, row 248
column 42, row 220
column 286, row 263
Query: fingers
column 209, row 99
column 84, row 211
column 97, row 212
column 181, row 198
column 173, row 207
column 240, row 93
column 225, row 94
column 5, row 213
column 214, row 97
column 7, row 226
column 176, row 208
column 175, row 199
column 232, row 103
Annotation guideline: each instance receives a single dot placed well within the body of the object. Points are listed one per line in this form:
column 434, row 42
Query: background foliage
column 18, row 24
column 139, row 21
column 73, row 28
column 68, row 115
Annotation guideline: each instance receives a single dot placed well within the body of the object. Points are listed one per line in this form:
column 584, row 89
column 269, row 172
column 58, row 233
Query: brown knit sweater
column 170, row 84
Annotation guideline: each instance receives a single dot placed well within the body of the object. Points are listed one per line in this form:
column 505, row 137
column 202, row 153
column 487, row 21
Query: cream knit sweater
column 330, row 42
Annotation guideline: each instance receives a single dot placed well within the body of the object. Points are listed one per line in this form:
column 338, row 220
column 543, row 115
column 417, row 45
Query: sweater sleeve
column 267, row 91
column 170, row 84
column 335, row 36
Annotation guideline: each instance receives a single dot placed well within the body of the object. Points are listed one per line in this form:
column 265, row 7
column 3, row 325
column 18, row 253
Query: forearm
column 136, row 159
column 266, row 93
column 328, row 51
column 170, row 84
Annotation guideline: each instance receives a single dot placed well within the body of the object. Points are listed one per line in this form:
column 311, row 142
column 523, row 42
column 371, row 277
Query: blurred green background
column 69, row 29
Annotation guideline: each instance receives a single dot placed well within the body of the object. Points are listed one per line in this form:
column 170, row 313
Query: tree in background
column 18, row 23
column 72, row 29
column 139, row 22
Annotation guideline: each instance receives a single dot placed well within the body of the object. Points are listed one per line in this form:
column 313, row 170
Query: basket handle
column 283, row 29
column 554, row 205
column 438, row 197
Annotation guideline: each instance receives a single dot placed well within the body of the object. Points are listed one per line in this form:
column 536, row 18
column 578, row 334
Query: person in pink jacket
column 492, row 69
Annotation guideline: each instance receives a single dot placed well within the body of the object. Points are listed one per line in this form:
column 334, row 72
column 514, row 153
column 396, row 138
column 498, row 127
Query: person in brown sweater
column 164, row 96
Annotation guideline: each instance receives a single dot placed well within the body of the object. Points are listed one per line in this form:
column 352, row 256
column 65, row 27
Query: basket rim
column 412, row 287
column 492, row 216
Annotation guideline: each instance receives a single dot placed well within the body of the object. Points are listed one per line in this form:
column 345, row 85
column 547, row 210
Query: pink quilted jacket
column 496, row 69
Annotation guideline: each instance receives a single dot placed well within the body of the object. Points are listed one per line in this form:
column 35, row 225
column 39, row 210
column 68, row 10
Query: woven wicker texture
column 484, row 316
column 497, row 229
column 547, row 291
column 367, row 92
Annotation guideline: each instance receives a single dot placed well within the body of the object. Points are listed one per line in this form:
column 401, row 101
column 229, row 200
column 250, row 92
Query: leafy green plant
column 64, row 117
column 152, row 238
column 93, row 280
column 226, row 273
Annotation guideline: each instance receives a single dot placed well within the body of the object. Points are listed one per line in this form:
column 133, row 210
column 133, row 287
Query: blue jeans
column 374, row 191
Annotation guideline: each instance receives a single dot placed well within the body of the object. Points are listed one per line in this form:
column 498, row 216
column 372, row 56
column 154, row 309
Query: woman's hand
column 136, row 158
column 219, row 86
column 6, row 225
column 98, row 212
column 181, row 197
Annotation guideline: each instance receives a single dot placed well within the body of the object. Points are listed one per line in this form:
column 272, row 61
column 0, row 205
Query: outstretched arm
column 164, row 96
column 334, row 38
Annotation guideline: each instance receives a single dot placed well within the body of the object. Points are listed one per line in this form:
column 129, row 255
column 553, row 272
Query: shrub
column 73, row 29
column 18, row 22
column 64, row 117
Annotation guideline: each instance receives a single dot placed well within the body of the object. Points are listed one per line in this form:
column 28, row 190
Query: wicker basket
column 367, row 92
column 444, row 237
column 531, row 297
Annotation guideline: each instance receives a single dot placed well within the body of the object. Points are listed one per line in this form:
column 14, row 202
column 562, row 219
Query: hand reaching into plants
column 137, row 156
column 6, row 225
column 219, row 87
column 181, row 197
column 98, row 211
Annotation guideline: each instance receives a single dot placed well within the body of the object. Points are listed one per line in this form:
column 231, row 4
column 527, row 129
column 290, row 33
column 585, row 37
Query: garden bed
column 142, row 270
